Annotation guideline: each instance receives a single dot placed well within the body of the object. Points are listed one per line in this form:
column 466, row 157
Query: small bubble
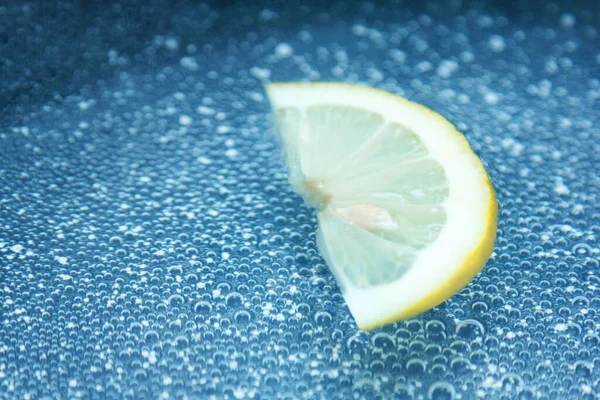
column 284, row 50
column 583, row 369
column 470, row 329
column 260, row 73
column 185, row 120
column 479, row 307
column 176, row 300
column 322, row 318
column 441, row 391
column 357, row 344
column 435, row 330
column 242, row 317
column 383, row 341
column 415, row 366
column 202, row 307
column 567, row 21
column 234, row 300
column 151, row 336
column 497, row 43
column 189, row 63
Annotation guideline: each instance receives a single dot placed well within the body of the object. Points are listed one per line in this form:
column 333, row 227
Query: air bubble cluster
column 151, row 247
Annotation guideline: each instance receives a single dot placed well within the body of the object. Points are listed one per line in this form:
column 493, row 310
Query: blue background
column 150, row 246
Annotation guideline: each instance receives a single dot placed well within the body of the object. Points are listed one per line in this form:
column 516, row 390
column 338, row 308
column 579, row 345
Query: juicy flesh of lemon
column 378, row 184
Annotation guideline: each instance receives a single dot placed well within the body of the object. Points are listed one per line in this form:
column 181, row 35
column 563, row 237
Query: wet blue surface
column 150, row 246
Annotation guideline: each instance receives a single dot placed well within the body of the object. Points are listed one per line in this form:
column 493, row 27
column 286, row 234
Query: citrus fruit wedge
column 407, row 214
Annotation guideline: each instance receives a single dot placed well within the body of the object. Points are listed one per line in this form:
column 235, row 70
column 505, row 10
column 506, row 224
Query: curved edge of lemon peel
column 473, row 264
column 354, row 86
column 476, row 259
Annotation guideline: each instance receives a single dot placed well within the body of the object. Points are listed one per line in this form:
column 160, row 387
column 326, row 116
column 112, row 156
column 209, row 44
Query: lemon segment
column 406, row 211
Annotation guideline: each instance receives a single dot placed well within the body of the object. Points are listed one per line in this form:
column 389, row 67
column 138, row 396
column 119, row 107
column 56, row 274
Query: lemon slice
column 407, row 214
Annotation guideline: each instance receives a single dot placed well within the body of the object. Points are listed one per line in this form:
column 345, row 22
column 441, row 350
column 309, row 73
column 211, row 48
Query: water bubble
column 544, row 369
column 459, row 365
column 234, row 300
column 151, row 336
column 479, row 307
column 242, row 317
column 284, row 50
column 202, row 307
column 435, row 330
column 383, row 341
column 441, row 391
column 470, row 329
column 497, row 43
column 175, row 300
column 322, row 318
column 357, row 344
column 415, row 366
column 583, row 369
column 567, row 20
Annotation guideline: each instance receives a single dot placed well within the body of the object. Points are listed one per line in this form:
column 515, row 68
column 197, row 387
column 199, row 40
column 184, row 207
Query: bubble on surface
column 151, row 246
column 567, row 20
column 497, row 43
column 441, row 391
column 185, row 120
column 260, row 73
column 284, row 50
column 189, row 63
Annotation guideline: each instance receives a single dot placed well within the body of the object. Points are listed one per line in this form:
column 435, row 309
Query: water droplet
column 322, row 318
column 441, row 391
column 234, row 300
column 415, row 366
column 383, row 341
column 202, row 307
column 470, row 329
